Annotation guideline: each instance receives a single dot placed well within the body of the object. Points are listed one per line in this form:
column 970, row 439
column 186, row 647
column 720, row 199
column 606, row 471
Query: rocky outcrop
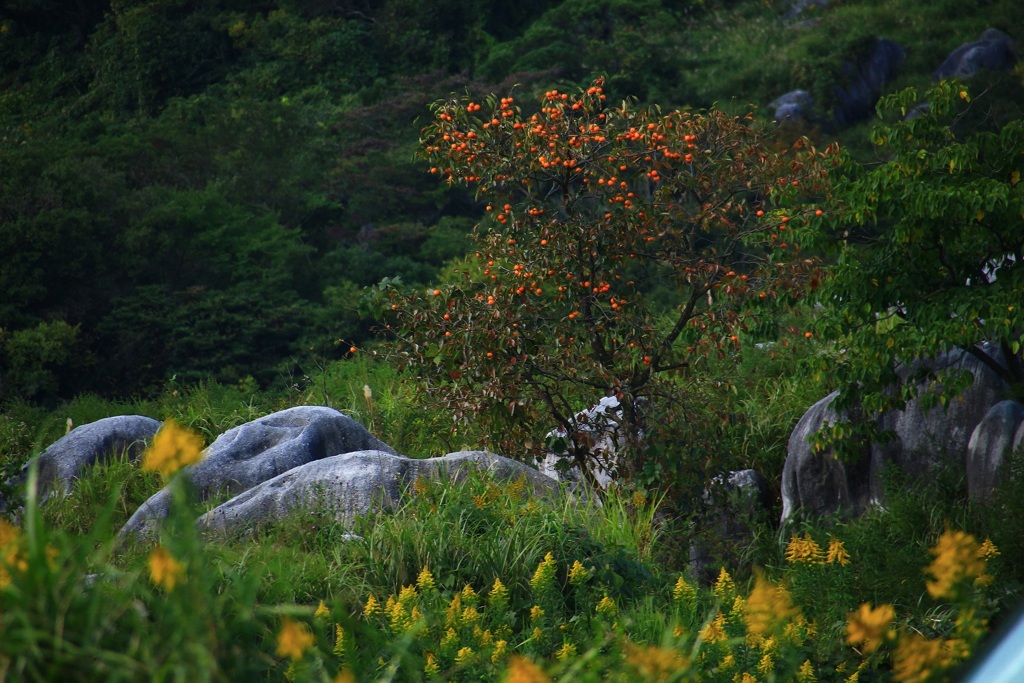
column 91, row 444
column 347, row 486
column 261, row 450
column 993, row 51
column 924, row 439
column 793, row 106
column 995, row 440
column 862, row 81
column 599, row 428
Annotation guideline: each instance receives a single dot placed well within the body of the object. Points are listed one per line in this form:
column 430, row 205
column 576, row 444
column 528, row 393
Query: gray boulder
column 863, row 79
column 994, row 51
column 91, row 444
column 794, row 105
column 818, row 484
column 257, row 451
column 347, row 486
column 992, row 444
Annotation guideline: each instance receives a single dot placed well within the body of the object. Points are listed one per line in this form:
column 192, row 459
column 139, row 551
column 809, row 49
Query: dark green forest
column 201, row 189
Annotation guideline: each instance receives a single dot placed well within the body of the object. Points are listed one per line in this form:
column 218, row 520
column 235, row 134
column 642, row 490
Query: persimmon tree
column 927, row 250
column 622, row 246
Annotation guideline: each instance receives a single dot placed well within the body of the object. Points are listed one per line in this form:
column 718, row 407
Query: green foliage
column 576, row 596
column 926, row 247
column 33, row 359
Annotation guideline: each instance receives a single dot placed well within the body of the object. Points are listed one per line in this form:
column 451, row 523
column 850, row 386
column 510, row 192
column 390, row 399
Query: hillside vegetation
column 212, row 210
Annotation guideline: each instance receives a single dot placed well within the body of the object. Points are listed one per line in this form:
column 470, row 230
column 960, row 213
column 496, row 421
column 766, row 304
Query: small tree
column 928, row 251
column 622, row 246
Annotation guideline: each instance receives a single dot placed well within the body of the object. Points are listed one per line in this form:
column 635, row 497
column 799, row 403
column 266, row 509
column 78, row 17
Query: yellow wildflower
column 578, row 574
column 164, row 570
column 322, row 612
column 567, row 651
column 451, row 615
column 725, row 587
column 543, row 579
column 654, row 663
column 294, row 639
column 11, row 555
column 606, row 608
column 714, row 630
column 916, row 658
column 498, row 597
column 398, row 618
column 804, row 550
column 173, row 447
column 957, row 558
column 421, row 486
column 464, row 656
column 425, row 581
column 728, row 662
column 339, row 641
column 522, row 670
column 431, row 668
column 684, row 594
column 517, row 489
column 469, row 596
column 469, row 615
column 536, row 613
column 988, row 550
column 837, row 553
column 372, row 606
column 678, row 631
column 449, row 639
column 869, row 626
column 767, row 606
column 766, row 666
column 345, row 676
column 806, row 673
column 744, row 678
column 500, row 648
column 536, row 634
column 483, row 638
column 407, row 596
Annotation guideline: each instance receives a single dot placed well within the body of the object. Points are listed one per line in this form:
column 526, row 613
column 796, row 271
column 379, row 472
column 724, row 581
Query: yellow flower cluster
column 425, row 581
column 684, row 594
column 869, row 626
column 725, row 587
column 173, row 447
column 655, row 663
column 294, row 639
column 544, row 577
column 958, row 558
column 165, row 571
column 12, row 556
column 768, row 607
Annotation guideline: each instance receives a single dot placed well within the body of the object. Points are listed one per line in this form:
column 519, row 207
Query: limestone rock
column 354, row 484
column 793, row 105
column 600, row 429
column 90, row 444
column 992, row 443
column 862, row 81
column 817, row 484
column 260, row 450
column 993, row 51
